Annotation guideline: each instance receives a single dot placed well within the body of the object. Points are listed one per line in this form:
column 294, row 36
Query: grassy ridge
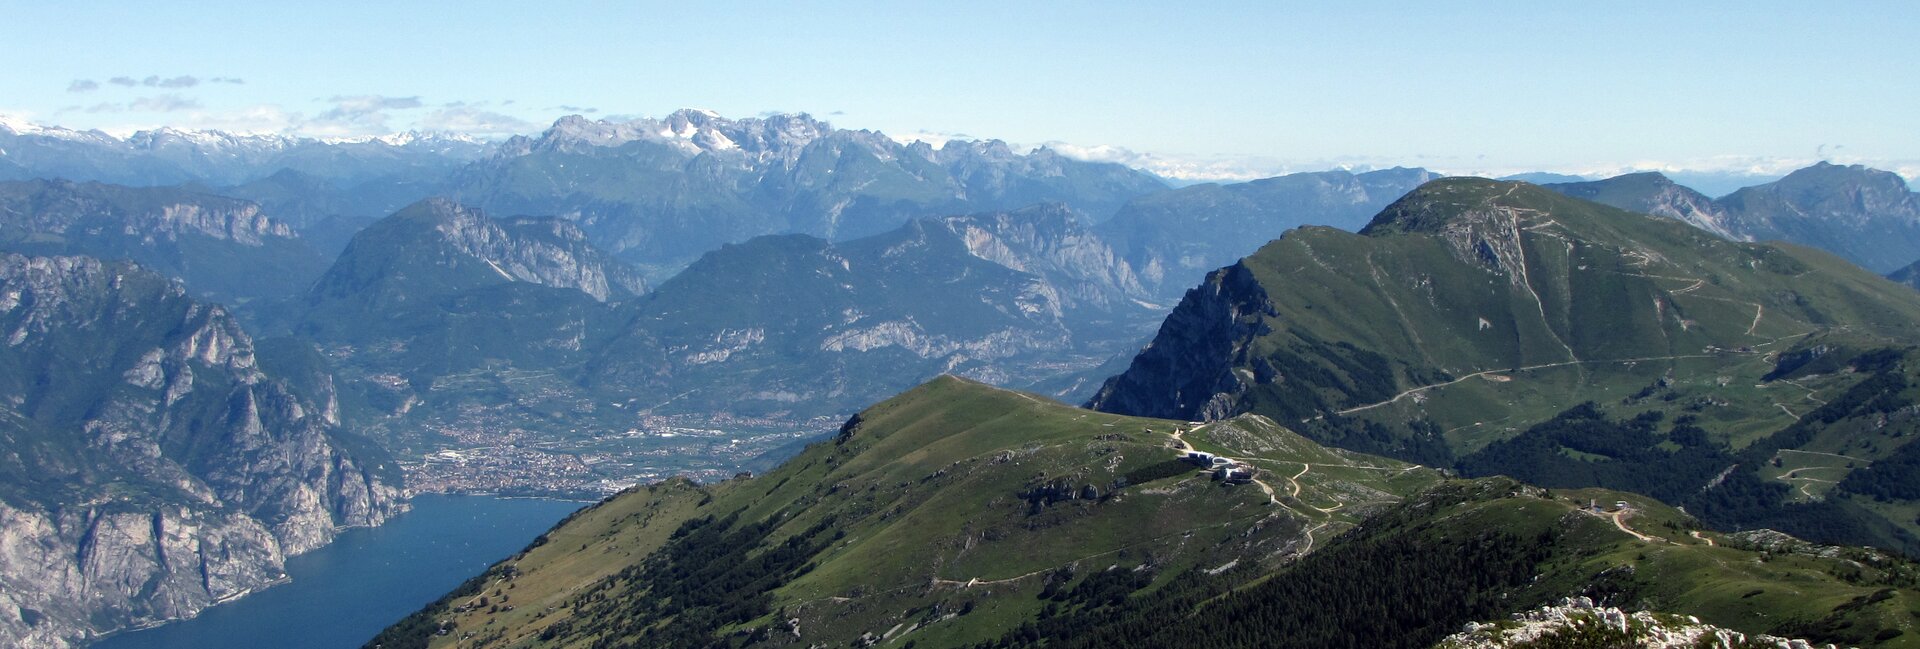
column 1473, row 313
column 959, row 515
column 953, row 496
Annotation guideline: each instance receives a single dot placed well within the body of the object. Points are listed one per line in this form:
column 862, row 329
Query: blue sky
column 1218, row 88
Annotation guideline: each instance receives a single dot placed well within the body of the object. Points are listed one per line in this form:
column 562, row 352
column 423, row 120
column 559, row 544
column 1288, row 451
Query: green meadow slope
column 1502, row 328
column 957, row 514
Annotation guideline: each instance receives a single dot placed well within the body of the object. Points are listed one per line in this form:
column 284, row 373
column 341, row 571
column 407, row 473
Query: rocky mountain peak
column 1836, row 189
column 1450, row 204
column 57, row 206
column 692, row 131
column 472, row 249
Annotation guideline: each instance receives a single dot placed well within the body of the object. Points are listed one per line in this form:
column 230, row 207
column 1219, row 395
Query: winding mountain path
column 1619, row 520
column 1542, row 366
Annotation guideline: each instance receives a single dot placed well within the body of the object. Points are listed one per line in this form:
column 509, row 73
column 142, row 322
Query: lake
column 343, row 594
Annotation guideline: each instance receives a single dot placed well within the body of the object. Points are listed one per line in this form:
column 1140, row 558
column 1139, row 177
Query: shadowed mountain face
column 1471, row 320
column 224, row 249
column 1173, row 238
column 1909, row 275
column 659, row 192
column 1865, row 215
column 154, row 463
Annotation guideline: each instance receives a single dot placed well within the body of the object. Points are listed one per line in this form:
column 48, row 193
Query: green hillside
column 1470, row 321
column 957, row 514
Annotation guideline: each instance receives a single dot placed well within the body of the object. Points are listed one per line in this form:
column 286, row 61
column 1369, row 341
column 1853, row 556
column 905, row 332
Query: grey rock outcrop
column 151, row 466
column 1188, row 372
column 222, row 247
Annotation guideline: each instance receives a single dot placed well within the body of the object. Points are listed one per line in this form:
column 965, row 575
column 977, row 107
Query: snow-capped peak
column 18, row 125
column 692, row 130
column 408, row 138
column 21, row 126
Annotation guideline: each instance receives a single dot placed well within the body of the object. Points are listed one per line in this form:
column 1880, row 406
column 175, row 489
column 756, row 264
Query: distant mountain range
column 1868, row 216
column 169, row 156
column 153, row 460
column 659, row 192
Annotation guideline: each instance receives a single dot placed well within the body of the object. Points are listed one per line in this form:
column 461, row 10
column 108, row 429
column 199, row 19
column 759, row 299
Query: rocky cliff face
column 1865, row 215
column 152, row 467
column 219, row 246
column 1188, row 372
column 544, row 251
column 437, row 246
column 1050, row 242
column 155, row 214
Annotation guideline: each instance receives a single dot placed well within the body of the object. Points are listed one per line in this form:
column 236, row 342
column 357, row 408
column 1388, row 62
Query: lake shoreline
column 342, row 594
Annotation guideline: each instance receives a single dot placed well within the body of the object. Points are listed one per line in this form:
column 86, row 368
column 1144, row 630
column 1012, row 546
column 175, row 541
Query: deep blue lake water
column 366, row 579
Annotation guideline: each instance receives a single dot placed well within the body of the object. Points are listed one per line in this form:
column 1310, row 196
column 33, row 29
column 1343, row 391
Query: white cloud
column 257, row 119
column 935, row 138
column 358, row 115
column 165, row 103
column 83, row 85
column 182, row 81
column 473, row 121
column 1188, row 169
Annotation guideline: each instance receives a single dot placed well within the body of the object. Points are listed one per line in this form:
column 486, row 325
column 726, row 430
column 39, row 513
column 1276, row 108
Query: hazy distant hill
column 224, row 249
column 1909, row 275
column 439, row 314
column 797, row 324
column 1865, row 215
column 1173, row 238
column 169, row 156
